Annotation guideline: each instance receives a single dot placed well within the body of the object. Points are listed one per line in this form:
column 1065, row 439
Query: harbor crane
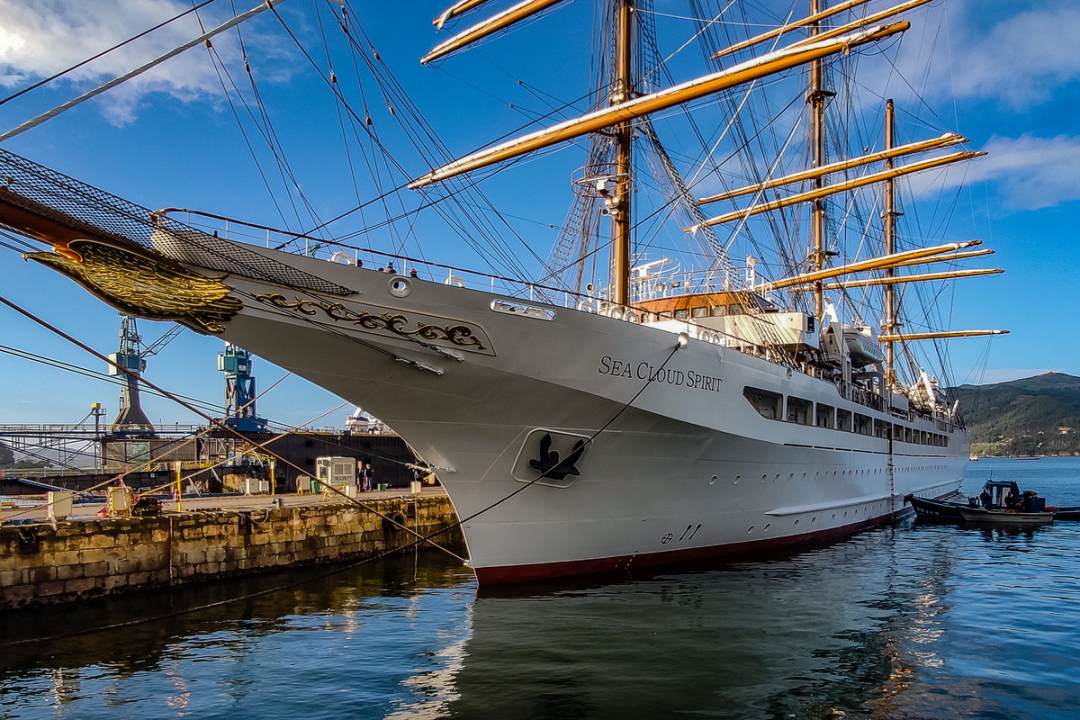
column 131, row 356
column 240, row 396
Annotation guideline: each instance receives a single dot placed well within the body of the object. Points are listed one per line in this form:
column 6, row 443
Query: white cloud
column 980, row 53
column 1020, row 60
column 1030, row 172
column 42, row 37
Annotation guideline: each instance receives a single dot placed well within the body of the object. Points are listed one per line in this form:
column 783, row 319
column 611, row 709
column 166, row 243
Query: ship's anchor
column 548, row 462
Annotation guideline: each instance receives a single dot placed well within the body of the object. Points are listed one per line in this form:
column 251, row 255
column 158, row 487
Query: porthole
column 749, row 529
column 713, row 479
column 736, row 480
column 766, row 528
column 400, row 287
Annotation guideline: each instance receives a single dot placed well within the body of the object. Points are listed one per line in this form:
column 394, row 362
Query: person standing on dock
column 369, row 475
column 361, row 476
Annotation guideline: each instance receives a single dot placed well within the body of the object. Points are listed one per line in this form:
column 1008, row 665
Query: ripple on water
column 908, row 622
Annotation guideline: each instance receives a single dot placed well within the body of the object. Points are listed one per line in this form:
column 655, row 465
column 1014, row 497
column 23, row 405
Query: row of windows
column 805, row 412
column 715, row 311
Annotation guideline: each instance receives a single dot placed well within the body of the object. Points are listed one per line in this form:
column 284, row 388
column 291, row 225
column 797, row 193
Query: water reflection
column 840, row 629
column 898, row 623
column 231, row 655
column 907, row 622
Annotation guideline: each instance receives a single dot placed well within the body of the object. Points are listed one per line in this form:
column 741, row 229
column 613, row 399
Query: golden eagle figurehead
column 144, row 284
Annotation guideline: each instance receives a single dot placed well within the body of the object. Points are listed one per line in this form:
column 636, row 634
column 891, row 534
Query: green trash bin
column 316, row 486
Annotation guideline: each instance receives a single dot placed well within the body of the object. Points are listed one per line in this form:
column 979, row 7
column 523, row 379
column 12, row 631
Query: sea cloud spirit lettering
column 645, row 371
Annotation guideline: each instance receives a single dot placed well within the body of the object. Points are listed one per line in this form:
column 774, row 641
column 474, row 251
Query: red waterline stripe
column 516, row 574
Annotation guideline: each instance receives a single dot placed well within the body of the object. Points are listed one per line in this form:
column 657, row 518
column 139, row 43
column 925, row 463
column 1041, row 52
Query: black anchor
column 548, row 462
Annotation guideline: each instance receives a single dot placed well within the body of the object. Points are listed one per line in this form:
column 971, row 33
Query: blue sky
column 1004, row 73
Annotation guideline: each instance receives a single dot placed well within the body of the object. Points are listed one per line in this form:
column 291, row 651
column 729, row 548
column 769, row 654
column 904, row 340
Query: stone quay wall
column 77, row 560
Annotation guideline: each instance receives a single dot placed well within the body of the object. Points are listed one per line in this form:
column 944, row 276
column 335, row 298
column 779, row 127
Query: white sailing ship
column 665, row 415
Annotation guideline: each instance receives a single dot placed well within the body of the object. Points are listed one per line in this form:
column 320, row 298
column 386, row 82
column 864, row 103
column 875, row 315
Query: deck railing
column 649, row 287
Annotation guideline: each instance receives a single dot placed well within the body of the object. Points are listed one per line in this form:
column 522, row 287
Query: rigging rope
column 106, row 51
column 120, row 79
column 164, row 449
column 191, row 408
column 337, row 571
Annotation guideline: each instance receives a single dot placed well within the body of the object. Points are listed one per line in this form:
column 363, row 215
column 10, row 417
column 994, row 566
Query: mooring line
column 176, row 445
column 681, row 343
column 191, row 408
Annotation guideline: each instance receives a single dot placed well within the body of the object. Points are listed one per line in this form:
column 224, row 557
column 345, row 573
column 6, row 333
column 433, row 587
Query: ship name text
column 643, row 370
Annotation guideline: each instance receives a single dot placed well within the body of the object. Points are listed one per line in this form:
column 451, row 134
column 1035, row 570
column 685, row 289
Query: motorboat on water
column 1003, row 495
column 1000, row 502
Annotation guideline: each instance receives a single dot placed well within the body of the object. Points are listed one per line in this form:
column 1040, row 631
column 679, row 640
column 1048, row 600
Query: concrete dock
column 34, row 507
column 87, row 556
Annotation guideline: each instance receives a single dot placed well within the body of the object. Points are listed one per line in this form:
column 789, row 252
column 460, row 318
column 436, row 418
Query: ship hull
column 677, row 465
column 694, row 557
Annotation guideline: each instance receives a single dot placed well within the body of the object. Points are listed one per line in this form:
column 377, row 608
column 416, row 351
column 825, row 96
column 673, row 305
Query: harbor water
column 913, row 621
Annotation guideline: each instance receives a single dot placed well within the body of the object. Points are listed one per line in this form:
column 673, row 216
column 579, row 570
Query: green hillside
column 1035, row 416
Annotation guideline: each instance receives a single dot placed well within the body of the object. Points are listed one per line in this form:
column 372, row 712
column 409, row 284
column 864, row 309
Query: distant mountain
column 1035, row 416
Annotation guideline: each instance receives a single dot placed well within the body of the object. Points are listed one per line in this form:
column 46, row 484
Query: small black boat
column 1000, row 501
column 998, row 497
column 936, row 510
